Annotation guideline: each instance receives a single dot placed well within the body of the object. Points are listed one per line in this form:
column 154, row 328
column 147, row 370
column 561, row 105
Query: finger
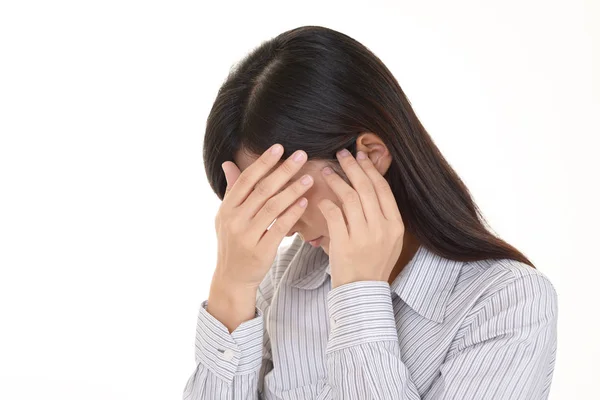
column 243, row 183
column 272, row 184
column 276, row 205
column 336, row 225
column 362, row 185
column 284, row 223
column 232, row 172
column 385, row 196
column 350, row 199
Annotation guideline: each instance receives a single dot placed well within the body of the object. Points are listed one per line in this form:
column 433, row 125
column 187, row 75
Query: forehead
column 313, row 167
column 243, row 160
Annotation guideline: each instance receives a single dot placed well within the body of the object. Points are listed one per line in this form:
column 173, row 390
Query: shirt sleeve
column 507, row 351
column 230, row 365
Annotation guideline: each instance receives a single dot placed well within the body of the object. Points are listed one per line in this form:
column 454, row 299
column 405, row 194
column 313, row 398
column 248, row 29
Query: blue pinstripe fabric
column 443, row 329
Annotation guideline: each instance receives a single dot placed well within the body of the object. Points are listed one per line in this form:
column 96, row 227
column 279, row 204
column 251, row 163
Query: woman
column 404, row 294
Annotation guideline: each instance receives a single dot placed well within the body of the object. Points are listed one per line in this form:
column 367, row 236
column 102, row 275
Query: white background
column 107, row 245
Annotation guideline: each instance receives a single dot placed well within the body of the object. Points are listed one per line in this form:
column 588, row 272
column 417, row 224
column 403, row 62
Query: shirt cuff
column 360, row 312
column 229, row 354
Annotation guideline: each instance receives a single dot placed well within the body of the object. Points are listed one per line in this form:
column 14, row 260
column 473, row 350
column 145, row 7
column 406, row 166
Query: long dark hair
column 317, row 89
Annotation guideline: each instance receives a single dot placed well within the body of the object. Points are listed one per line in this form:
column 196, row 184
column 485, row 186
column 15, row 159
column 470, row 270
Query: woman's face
column 311, row 224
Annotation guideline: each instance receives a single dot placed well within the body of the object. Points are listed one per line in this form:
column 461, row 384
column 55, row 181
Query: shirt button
column 228, row 355
column 332, row 323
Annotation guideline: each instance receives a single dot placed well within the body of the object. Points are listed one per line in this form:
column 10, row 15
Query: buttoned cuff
column 360, row 312
column 229, row 354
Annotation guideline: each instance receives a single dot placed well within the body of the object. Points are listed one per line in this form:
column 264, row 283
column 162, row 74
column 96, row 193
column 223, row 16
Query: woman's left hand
column 368, row 246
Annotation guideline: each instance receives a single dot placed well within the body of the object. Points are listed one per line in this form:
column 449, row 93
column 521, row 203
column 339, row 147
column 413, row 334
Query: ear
column 376, row 150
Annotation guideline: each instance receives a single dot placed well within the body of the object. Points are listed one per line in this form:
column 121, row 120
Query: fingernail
column 276, row 149
column 327, row 171
column 361, row 155
column 299, row 155
column 344, row 153
column 306, row 180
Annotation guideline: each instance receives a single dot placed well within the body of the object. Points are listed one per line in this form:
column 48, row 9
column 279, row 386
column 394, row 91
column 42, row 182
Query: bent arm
column 231, row 365
column 507, row 351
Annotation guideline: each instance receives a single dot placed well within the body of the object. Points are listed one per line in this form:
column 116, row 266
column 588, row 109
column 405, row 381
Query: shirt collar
column 425, row 283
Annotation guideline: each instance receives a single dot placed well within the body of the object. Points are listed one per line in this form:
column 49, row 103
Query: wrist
column 231, row 305
column 337, row 281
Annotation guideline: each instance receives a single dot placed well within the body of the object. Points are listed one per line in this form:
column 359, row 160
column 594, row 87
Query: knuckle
column 272, row 206
column 218, row 218
column 287, row 168
column 278, row 227
column 381, row 184
column 262, row 189
column 336, row 213
column 368, row 189
column 331, row 209
column 264, row 161
column 399, row 229
column 243, row 179
column 298, row 188
column 351, row 163
column 350, row 197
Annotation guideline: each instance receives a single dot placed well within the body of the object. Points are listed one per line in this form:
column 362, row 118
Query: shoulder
column 509, row 285
column 503, row 303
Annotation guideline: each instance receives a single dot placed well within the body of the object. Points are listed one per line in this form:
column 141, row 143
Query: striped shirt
column 443, row 329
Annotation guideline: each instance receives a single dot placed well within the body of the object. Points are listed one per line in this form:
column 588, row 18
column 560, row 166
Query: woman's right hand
column 246, row 248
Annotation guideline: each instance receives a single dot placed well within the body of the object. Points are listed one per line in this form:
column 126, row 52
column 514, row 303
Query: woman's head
column 312, row 224
column 319, row 90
